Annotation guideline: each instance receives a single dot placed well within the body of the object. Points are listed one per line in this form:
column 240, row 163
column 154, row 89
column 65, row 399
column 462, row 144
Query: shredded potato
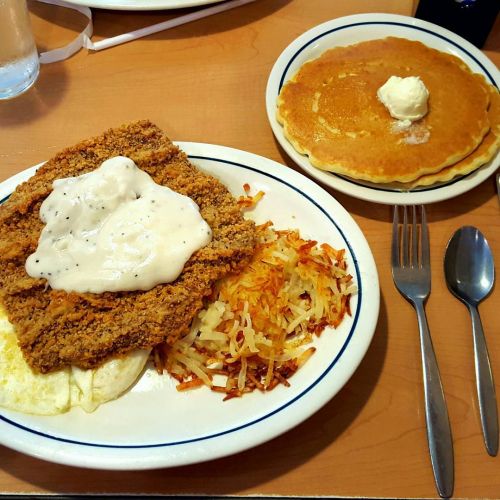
column 249, row 201
column 256, row 331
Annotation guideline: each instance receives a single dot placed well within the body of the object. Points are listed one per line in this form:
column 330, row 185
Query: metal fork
column 411, row 272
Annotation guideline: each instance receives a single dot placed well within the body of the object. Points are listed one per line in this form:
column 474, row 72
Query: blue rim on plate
column 388, row 23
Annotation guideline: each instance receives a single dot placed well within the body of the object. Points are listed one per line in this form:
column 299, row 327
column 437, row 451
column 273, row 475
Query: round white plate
column 353, row 29
column 153, row 425
column 142, row 4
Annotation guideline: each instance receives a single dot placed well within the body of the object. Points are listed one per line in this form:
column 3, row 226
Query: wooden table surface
column 205, row 82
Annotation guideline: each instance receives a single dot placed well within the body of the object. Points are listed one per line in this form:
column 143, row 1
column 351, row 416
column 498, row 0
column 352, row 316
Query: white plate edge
column 138, row 5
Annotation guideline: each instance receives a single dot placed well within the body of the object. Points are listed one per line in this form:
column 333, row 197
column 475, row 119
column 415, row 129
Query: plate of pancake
column 152, row 424
column 323, row 107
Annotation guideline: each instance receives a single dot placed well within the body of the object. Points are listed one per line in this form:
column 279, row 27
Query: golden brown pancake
column 481, row 155
column 330, row 111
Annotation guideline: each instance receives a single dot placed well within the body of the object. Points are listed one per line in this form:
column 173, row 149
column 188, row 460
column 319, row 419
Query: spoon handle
column 436, row 412
column 485, row 385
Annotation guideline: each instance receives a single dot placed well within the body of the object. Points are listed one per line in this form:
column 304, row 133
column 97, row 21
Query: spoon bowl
column 470, row 275
column 468, row 265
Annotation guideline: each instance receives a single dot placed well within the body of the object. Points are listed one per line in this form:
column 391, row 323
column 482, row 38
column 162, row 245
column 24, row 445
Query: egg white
column 23, row 390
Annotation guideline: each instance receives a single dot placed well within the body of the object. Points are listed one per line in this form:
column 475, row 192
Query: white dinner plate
column 154, row 425
column 142, row 4
column 353, row 29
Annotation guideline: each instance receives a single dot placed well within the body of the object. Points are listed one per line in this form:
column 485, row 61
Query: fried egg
column 23, row 390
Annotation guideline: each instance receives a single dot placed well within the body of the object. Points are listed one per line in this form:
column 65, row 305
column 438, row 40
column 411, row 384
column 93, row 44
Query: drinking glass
column 19, row 65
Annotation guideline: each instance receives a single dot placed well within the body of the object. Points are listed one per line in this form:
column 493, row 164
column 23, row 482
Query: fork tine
column 414, row 238
column 395, row 238
column 406, row 246
column 424, row 244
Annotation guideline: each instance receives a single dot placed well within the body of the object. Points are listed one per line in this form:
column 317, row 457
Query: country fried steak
column 56, row 328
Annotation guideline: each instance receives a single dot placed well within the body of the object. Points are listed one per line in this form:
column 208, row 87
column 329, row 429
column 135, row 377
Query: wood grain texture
column 205, row 82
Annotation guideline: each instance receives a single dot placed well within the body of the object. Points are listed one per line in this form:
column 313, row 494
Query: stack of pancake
column 330, row 112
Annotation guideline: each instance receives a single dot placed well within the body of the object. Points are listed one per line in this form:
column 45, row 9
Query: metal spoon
column 470, row 274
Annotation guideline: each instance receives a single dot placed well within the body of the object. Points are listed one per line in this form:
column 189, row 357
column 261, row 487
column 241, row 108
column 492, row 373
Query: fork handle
column 485, row 385
column 436, row 412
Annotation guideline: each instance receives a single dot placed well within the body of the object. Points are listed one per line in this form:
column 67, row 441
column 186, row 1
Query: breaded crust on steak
column 56, row 328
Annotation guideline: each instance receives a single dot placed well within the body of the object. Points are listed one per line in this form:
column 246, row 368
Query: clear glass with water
column 19, row 63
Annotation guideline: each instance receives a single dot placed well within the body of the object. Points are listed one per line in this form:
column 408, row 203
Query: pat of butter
column 405, row 98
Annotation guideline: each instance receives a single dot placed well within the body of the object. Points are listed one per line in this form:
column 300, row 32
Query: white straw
column 155, row 28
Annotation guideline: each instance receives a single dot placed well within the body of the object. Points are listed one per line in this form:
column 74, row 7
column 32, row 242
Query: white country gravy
column 115, row 229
